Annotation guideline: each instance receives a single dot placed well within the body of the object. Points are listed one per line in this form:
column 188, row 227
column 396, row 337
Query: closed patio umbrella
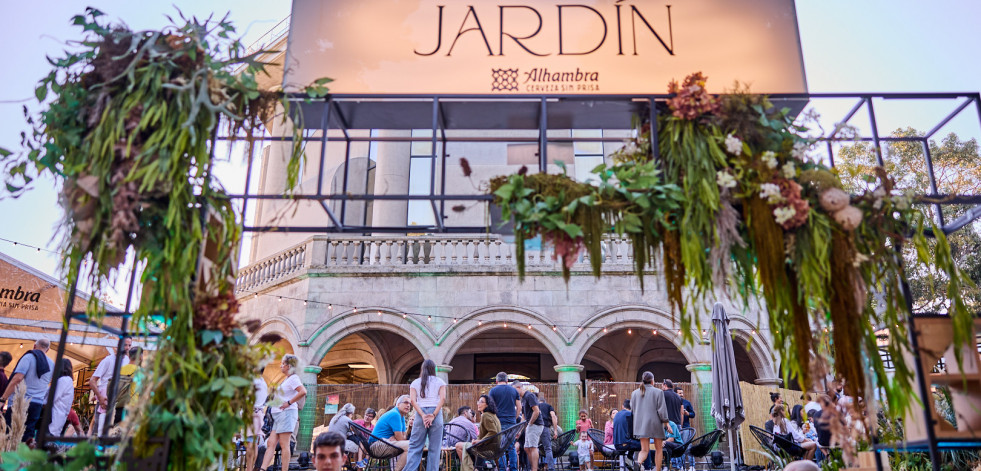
column 727, row 398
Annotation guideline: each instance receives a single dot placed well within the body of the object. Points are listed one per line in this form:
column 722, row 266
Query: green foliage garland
column 127, row 125
column 812, row 251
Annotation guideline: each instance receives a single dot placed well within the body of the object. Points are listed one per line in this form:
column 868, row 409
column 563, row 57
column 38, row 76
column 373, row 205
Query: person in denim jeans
column 506, row 399
column 427, row 395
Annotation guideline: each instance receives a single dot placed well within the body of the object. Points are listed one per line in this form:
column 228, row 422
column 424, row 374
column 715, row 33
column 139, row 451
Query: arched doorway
column 626, row 352
column 745, row 366
column 510, row 350
column 370, row 356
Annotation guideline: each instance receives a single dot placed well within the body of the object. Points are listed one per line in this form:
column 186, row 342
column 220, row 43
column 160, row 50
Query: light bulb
column 555, row 328
column 529, row 326
column 479, row 323
column 404, row 315
column 604, row 330
column 330, row 306
column 429, row 318
column 379, row 313
column 280, row 298
column 304, row 302
column 655, row 331
column 454, row 320
column 579, row 329
column 505, row 325
column 629, row 331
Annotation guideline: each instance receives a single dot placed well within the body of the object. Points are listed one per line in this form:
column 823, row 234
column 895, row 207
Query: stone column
column 701, row 374
column 391, row 178
column 443, row 371
column 311, row 413
column 567, row 403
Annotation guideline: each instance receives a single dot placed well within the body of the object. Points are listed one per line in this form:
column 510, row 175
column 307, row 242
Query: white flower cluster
column 630, row 147
column 770, row 159
column 800, row 150
column 784, row 214
column 734, row 145
column 725, row 179
column 771, row 193
column 789, row 170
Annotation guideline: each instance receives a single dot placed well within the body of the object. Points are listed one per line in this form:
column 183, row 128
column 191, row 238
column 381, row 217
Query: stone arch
column 332, row 331
column 493, row 317
column 760, row 351
column 629, row 316
column 277, row 325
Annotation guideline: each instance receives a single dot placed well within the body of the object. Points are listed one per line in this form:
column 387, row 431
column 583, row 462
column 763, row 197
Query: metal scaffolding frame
column 343, row 114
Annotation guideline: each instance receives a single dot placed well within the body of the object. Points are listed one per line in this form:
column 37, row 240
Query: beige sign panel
column 542, row 46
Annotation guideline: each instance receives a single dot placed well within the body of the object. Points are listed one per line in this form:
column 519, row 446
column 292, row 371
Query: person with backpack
column 128, row 374
column 34, row 369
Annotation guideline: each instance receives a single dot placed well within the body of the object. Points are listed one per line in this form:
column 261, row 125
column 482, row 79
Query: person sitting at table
column 623, row 436
column 490, row 426
column 391, row 427
column 784, row 427
column 672, row 438
column 368, row 421
column 464, row 418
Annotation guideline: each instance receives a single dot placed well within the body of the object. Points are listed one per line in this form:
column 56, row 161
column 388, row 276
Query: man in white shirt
column 100, row 380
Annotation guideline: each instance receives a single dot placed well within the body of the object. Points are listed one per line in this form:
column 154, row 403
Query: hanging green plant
column 739, row 204
column 127, row 125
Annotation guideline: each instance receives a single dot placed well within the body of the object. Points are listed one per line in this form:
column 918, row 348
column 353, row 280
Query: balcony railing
column 417, row 253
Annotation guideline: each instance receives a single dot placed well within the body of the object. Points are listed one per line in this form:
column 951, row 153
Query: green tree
column 957, row 170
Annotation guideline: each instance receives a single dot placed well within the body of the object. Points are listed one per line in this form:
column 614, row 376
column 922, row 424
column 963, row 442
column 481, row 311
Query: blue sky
column 848, row 46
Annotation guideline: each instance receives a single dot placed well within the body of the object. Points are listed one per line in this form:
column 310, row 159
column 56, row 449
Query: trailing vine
column 127, row 125
column 740, row 208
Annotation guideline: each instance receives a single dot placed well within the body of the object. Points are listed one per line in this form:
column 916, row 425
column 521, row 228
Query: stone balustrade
column 410, row 253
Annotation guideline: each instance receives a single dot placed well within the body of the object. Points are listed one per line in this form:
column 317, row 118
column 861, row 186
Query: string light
column 456, row 320
column 280, row 299
column 21, row 345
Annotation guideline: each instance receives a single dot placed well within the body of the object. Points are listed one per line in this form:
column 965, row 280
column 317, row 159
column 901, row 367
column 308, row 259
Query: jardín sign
column 542, row 46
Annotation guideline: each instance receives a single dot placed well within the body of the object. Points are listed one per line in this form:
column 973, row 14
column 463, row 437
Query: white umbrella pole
column 732, row 460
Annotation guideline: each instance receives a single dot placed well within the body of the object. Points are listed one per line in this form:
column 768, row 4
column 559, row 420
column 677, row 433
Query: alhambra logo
column 18, row 298
column 544, row 80
column 504, row 80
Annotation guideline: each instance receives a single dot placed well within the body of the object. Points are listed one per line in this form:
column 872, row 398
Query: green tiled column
column 702, row 376
column 311, row 414
column 567, row 404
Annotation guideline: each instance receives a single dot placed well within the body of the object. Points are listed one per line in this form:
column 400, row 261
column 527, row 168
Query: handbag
column 267, row 421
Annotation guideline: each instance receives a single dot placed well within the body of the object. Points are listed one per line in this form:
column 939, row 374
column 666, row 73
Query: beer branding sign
column 486, row 47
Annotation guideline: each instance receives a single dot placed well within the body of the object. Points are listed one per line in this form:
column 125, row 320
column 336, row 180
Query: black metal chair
column 377, row 453
column 687, row 436
column 610, row 454
column 453, row 433
column 777, row 444
column 492, row 448
column 700, row 447
column 560, row 445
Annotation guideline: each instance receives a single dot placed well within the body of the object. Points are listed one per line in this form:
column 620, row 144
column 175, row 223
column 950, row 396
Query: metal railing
column 433, row 252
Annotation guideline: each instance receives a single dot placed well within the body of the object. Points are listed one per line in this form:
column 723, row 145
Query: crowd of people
column 36, row 371
column 415, row 420
column 810, row 425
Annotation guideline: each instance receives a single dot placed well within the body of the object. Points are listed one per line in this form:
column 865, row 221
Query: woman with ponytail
column 650, row 414
column 427, row 395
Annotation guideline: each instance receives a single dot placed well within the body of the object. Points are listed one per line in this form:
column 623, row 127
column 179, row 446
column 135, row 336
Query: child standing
column 584, row 448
